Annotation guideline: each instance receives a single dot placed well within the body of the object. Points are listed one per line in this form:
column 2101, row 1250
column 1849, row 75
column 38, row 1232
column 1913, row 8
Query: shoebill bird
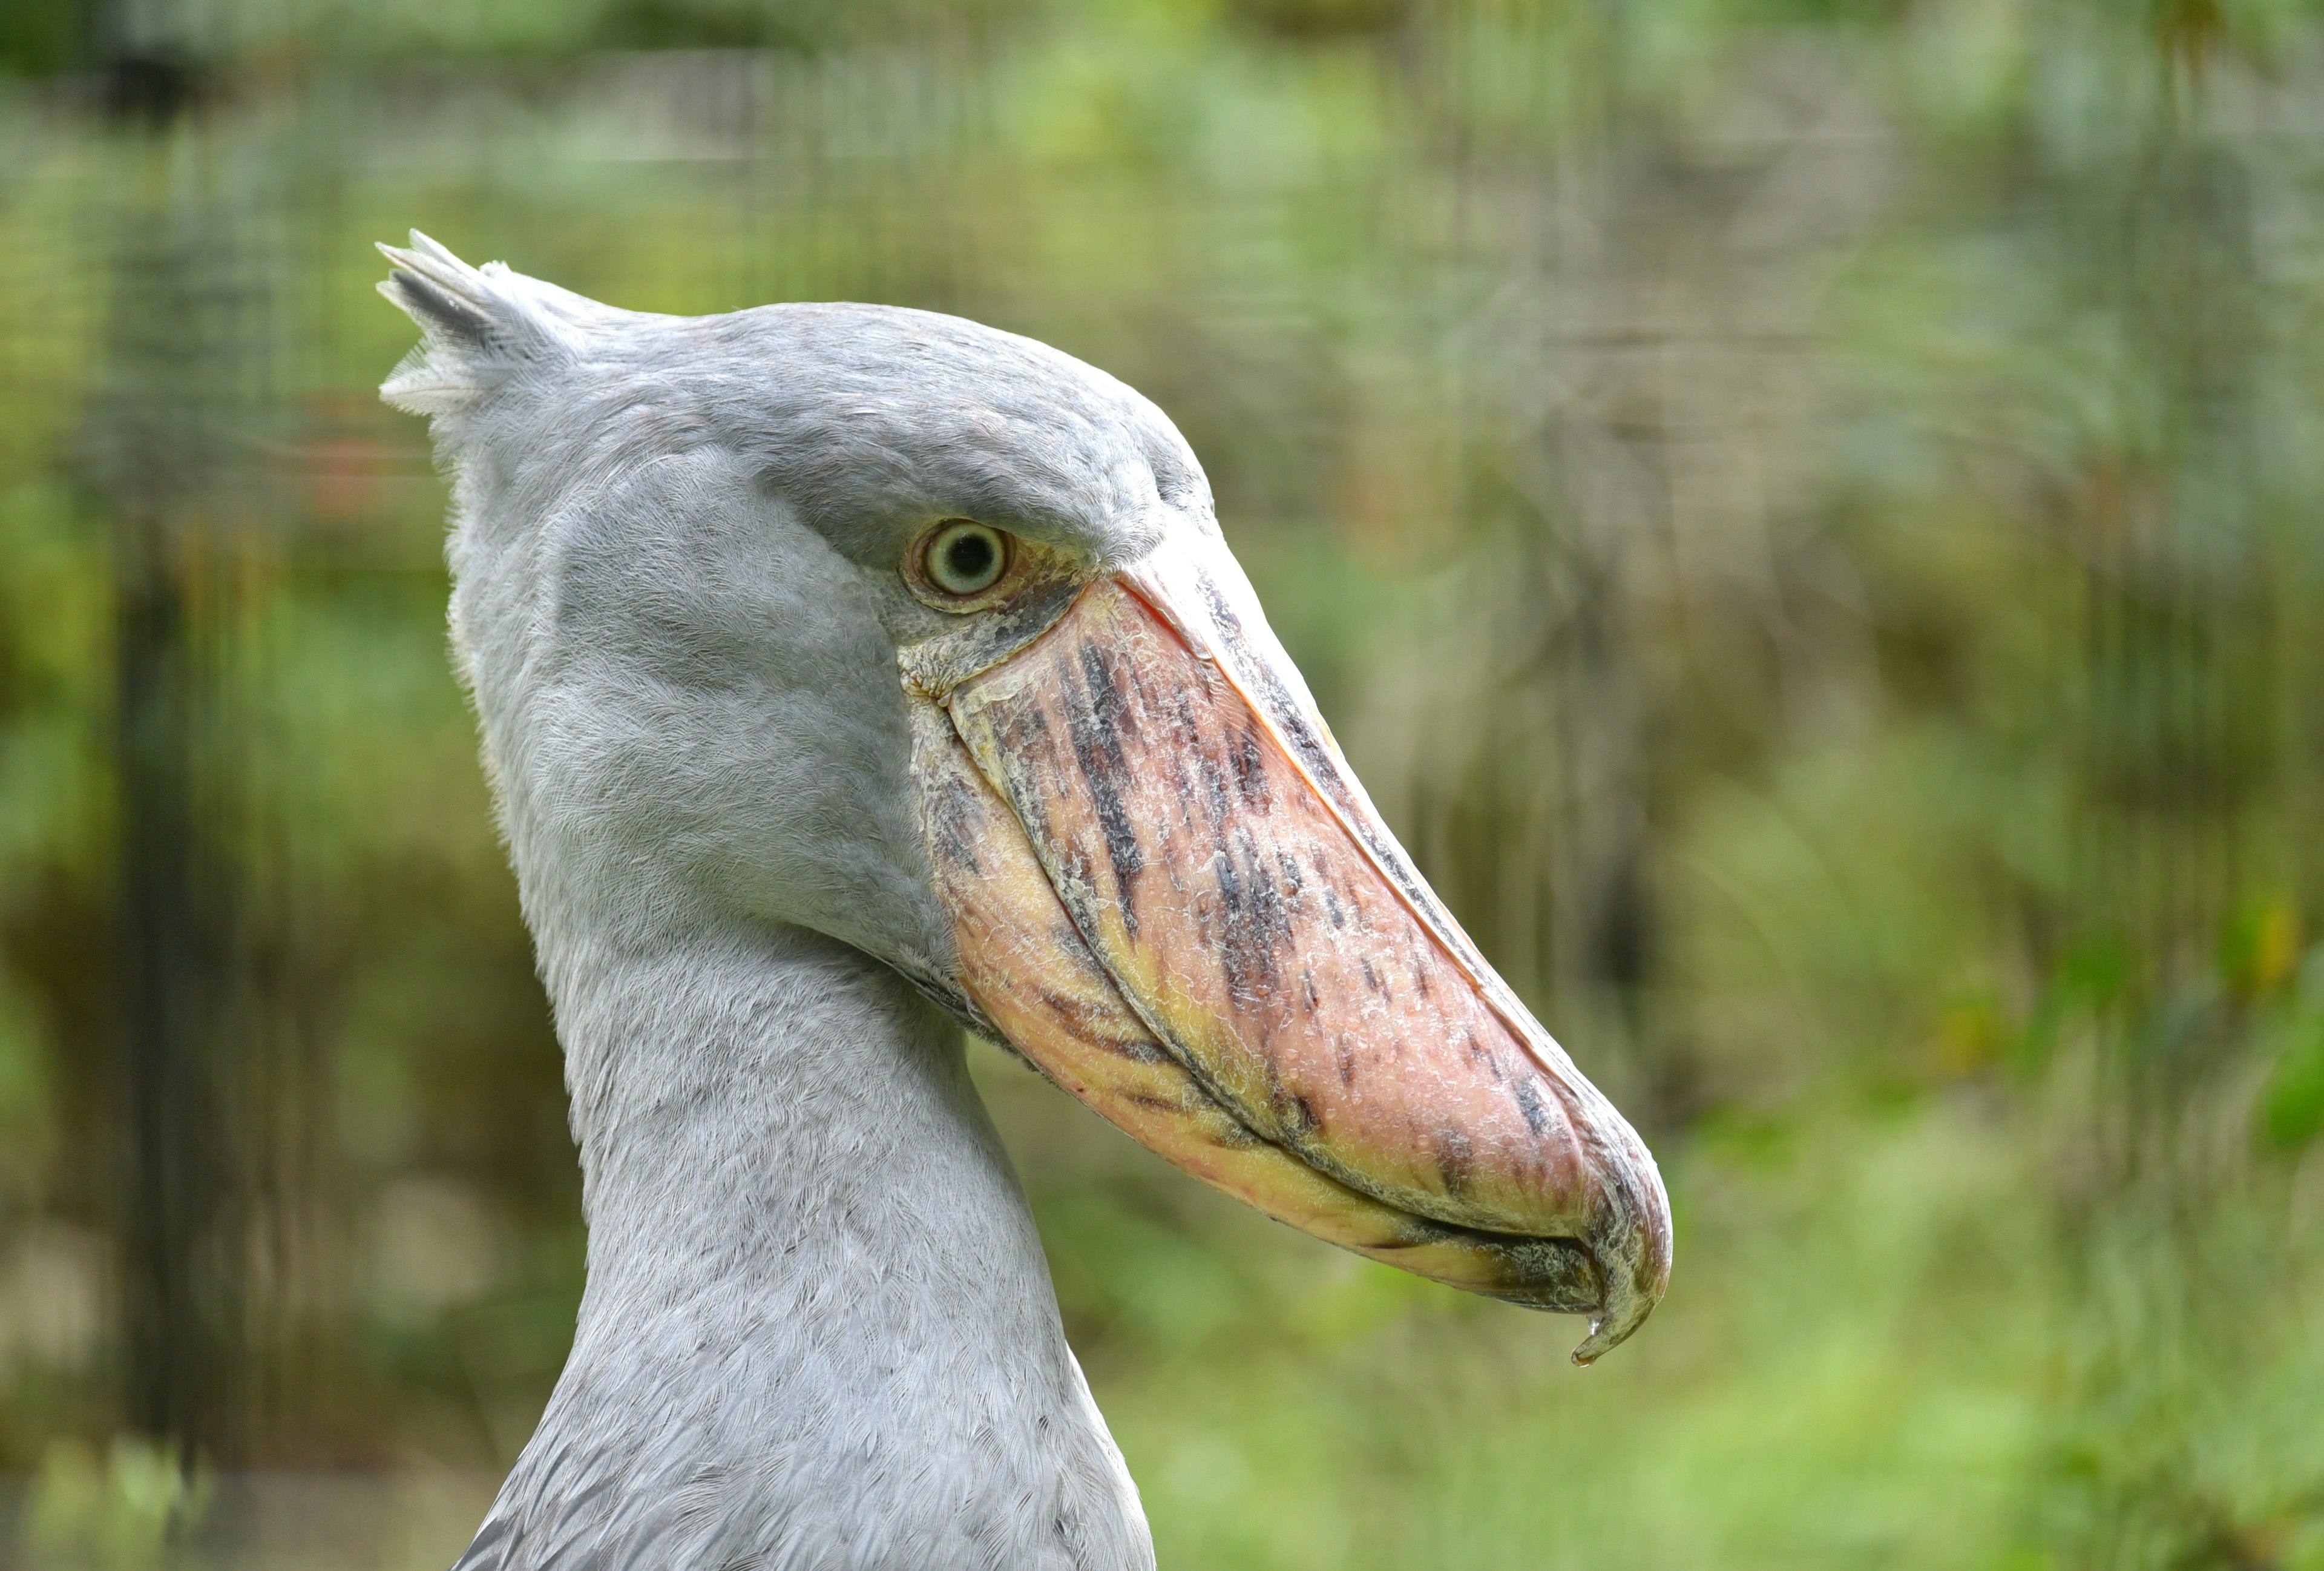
column 848, row 676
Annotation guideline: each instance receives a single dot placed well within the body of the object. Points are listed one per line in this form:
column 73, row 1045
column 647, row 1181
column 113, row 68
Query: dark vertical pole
column 156, row 451
column 170, row 1172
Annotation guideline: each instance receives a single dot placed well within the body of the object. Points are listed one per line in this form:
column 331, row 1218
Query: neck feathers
column 818, row 1330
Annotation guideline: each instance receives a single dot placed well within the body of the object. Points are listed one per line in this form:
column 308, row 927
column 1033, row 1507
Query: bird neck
column 818, row 1328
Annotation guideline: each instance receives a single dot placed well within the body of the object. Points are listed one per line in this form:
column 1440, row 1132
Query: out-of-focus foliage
column 1803, row 512
column 126, row 1512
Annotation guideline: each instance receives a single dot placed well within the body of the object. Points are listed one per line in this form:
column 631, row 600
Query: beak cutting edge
column 1172, row 896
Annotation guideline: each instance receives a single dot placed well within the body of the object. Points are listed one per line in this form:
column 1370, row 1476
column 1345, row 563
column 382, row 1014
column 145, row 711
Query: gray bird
column 849, row 675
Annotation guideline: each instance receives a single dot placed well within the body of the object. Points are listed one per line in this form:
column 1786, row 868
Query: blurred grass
column 1883, row 1354
column 1802, row 513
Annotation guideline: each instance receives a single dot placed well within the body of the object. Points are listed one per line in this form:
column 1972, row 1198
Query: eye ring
column 963, row 559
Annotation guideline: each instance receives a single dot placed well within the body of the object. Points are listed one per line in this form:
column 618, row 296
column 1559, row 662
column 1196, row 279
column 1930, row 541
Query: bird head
column 925, row 636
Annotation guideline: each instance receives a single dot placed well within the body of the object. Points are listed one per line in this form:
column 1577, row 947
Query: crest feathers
column 478, row 327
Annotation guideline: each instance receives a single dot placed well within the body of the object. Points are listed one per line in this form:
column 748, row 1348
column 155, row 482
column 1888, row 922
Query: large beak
column 1170, row 893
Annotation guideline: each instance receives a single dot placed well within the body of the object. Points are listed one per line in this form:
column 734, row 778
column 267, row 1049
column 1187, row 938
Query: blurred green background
column 1804, row 512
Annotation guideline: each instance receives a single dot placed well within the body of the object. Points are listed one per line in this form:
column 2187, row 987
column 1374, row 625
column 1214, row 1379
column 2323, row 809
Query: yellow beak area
column 1170, row 893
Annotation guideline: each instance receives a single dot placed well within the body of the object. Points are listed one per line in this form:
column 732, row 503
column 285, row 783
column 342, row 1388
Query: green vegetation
column 1803, row 513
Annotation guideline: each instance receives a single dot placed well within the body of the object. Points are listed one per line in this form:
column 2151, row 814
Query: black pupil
column 969, row 557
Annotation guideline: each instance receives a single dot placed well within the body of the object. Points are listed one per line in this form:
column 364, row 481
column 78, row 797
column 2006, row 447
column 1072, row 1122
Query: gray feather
column 818, row 1331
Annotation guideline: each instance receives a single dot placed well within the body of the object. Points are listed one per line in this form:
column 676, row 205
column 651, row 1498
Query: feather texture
column 818, row 1333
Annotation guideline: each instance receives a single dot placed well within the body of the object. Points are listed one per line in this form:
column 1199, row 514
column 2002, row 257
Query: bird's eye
column 964, row 558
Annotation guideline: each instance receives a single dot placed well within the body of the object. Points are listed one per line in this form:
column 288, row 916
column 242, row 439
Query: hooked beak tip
column 1624, row 1313
column 1634, row 1264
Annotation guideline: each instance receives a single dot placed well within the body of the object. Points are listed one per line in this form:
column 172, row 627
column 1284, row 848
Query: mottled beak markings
column 1171, row 895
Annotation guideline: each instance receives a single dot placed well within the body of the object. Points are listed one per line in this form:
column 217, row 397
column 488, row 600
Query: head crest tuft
column 479, row 326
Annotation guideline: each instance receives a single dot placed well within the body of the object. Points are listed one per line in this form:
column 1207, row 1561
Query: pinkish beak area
column 1170, row 893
